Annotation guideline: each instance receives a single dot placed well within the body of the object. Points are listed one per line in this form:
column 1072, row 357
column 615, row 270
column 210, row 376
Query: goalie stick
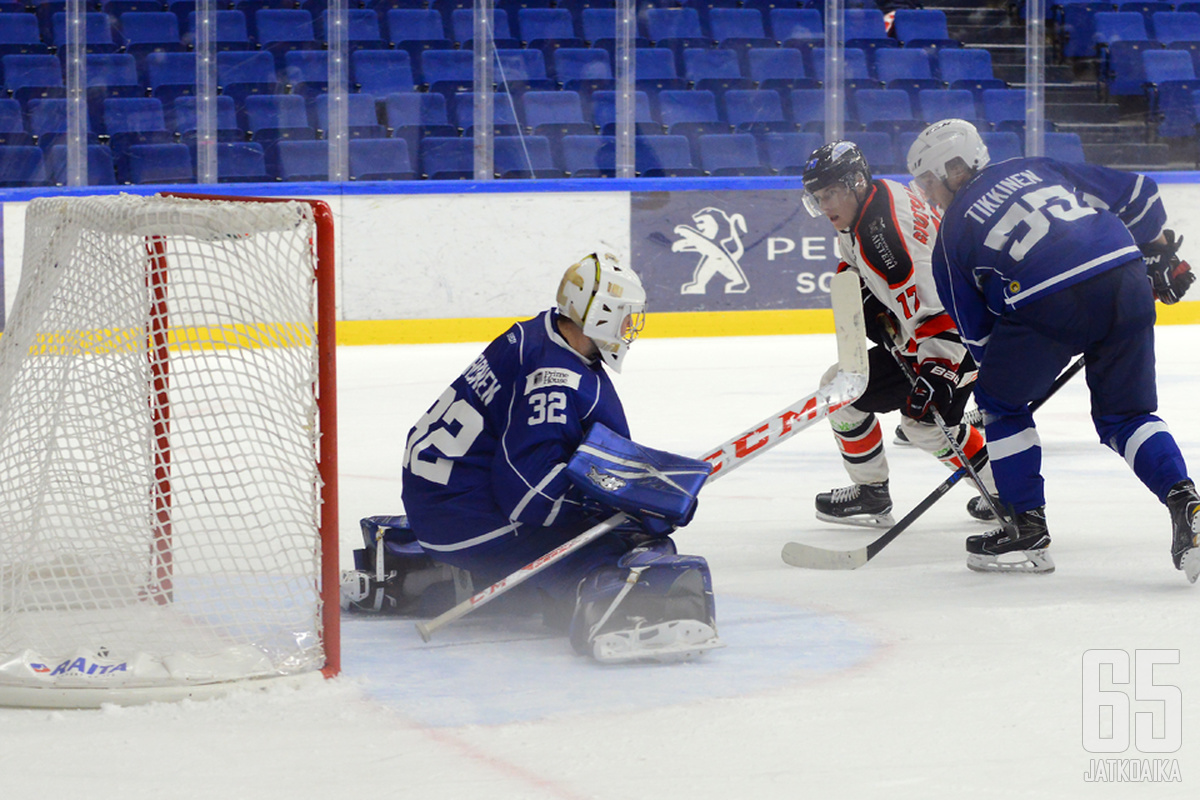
column 845, row 387
column 806, row 556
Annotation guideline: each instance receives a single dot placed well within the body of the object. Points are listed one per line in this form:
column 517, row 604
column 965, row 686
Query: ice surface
column 911, row 677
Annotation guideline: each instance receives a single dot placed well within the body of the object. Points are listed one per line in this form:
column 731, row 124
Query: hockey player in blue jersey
column 1038, row 260
column 494, row 477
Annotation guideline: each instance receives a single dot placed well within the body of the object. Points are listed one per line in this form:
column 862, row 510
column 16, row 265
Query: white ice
column 911, row 677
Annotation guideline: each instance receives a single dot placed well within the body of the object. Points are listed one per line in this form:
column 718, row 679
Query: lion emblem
column 717, row 239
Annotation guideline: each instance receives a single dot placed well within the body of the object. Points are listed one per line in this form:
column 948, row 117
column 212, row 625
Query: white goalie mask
column 941, row 143
column 606, row 301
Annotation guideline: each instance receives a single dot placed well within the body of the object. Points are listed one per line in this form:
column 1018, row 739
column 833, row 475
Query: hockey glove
column 934, row 388
column 1169, row 276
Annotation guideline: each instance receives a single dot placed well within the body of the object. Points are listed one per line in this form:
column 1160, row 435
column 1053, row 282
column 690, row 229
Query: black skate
column 996, row 551
column 979, row 509
column 900, row 437
column 1184, row 505
column 866, row 504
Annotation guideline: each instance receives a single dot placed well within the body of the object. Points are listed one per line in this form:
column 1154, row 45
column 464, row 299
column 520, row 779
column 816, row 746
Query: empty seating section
column 734, row 87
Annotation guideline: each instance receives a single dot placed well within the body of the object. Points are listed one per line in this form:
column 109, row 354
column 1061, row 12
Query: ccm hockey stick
column 847, row 385
column 806, row 556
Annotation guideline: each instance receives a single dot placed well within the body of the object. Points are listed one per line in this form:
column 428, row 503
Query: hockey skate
column 865, row 504
column 665, row 642
column 979, row 509
column 996, row 551
column 1184, row 505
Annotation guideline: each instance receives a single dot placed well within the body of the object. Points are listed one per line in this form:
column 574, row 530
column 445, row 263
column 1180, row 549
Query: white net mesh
column 159, row 493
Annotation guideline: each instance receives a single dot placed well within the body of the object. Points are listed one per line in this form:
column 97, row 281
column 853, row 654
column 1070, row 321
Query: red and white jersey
column 890, row 246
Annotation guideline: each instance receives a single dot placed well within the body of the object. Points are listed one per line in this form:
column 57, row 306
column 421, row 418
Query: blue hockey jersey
column 1028, row 227
column 489, row 456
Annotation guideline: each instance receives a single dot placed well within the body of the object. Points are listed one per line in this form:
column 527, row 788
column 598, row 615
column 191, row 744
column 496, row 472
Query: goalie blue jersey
column 489, row 456
column 1027, row 227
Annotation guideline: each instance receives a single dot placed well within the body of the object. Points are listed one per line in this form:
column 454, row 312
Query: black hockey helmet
column 834, row 162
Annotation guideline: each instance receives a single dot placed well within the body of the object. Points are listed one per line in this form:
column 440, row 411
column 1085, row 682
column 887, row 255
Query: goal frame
column 160, row 590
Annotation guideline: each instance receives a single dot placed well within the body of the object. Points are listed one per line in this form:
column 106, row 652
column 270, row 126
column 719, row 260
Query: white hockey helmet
column 607, row 301
column 944, row 141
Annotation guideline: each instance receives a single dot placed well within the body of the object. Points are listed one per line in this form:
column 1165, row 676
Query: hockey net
column 168, row 520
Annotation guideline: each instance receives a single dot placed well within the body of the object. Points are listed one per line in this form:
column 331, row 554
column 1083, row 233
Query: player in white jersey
column 885, row 235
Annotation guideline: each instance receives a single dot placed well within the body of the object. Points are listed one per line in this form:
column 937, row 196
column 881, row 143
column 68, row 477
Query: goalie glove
column 934, row 388
column 1169, row 276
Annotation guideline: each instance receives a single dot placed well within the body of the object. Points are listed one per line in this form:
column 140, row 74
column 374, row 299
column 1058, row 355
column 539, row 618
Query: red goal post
column 168, row 449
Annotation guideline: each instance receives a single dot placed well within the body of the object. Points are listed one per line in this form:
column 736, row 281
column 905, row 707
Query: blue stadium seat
column 100, row 170
column 182, row 119
column 447, row 66
column 672, row 23
column 907, row 69
column 20, row 35
column 1170, row 27
column 864, row 24
column 534, row 24
column 807, row 108
column 12, row 124
column 1076, row 27
column 99, row 32
column 242, row 74
column 573, row 65
column 664, row 157
column 787, row 153
column 1065, row 146
column 781, row 68
column 803, row 24
column 444, row 158
column 362, row 116
column 113, row 75
column 515, row 65
column 1122, row 65
column 598, row 23
column 938, row 104
column 382, row 72
column 924, row 28
column 731, row 154
column 736, row 23
column 699, row 64
column 412, row 116
column 655, row 63
column 462, row 26
column 241, row 162
column 879, row 151
column 968, row 69
column 589, row 156
column 682, row 108
column 272, row 118
column 307, row 72
column 25, row 76
column 1004, row 109
column 886, row 110
column 1170, row 81
column 553, row 108
column 232, row 33
column 417, row 31
column 1002, row 145
column 302, row 161
column 604, row 113
column 855, row 71
column 756, row 110
column 170, row 75
column 147, row 32
column 504, row 115
column 363, row 31
column 130, row 121
column 380, row 160
column 280, row 30
column 22, row 165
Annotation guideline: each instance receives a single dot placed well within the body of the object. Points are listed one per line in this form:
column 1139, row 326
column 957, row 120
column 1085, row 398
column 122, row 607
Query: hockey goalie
column 526, row 449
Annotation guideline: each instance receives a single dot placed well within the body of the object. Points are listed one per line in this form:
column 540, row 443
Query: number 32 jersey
column 488, row 456
column 1027, row 227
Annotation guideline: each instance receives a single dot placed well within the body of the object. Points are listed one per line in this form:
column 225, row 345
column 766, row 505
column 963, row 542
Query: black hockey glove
column 934, row 388
column 1169, row 276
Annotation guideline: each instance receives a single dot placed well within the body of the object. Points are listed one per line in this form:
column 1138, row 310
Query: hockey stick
column 806, row 556
column 847, row 385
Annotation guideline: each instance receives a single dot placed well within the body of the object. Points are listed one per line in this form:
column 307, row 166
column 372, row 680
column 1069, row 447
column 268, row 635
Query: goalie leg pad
column 653, row 605
column 407, row 582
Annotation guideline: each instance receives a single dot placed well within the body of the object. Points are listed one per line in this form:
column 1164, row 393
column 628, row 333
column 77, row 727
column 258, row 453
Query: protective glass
column 815, row 202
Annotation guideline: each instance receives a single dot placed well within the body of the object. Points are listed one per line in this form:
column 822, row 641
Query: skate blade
column 666, row 643
column 1036, row 562
column 1189, row 562
column 860, row 520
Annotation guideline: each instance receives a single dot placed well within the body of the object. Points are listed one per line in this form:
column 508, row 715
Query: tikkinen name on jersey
column 990, row 203
column 551, row 376
column 482, row 380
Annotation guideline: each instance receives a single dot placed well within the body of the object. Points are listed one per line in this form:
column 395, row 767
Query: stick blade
column 806, row 556
column 845, row 298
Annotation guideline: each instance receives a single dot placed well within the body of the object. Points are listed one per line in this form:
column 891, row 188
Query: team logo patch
column 607, row 482
column 551, row 376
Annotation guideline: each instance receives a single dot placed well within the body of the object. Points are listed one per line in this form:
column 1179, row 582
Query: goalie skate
column 665, row 642
column 998, row 551
column 866, row 504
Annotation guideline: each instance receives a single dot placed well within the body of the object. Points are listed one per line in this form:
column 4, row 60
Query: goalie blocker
column 651, row 604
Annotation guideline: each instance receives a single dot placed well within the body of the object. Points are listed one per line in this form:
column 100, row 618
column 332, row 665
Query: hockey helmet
column 607, row 301
column 836, row 162
column 941, row 143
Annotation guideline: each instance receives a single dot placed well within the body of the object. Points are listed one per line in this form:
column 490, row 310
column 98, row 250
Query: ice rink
column 911, row 677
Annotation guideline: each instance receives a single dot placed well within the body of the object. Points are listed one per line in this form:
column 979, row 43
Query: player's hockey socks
column 648, row 484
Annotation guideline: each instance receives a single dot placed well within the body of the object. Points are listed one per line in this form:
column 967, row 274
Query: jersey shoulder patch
column 880, row 242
